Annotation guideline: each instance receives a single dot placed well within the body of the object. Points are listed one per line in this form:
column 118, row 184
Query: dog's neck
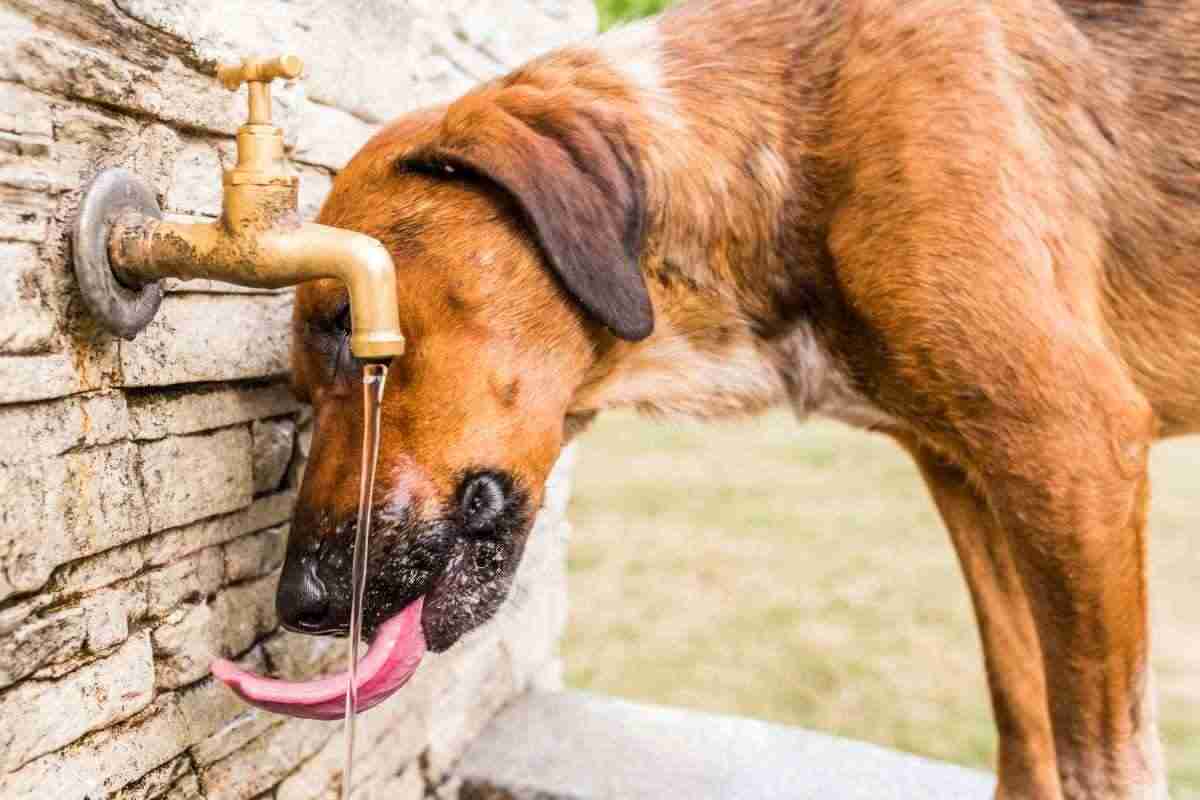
column 729, row 115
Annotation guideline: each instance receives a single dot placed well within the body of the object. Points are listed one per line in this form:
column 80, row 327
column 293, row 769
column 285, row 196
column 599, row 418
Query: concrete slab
column 578, row 746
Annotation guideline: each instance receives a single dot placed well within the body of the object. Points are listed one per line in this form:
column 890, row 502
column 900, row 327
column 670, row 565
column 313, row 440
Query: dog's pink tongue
column 390, row 661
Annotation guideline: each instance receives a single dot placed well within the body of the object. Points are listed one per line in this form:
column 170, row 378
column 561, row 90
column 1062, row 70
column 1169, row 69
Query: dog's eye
column 333, row 325
column 337, row 329
column 340, row 324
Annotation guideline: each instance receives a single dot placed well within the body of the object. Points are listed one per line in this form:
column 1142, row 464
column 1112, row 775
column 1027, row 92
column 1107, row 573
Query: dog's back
column 1142, row 92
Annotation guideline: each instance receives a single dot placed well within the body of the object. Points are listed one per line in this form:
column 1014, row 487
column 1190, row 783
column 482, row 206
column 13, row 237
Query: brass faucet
column 123, row 247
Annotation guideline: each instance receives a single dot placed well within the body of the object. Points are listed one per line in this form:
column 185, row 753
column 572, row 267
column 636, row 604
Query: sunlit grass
column 614, row 11
column 800, row 574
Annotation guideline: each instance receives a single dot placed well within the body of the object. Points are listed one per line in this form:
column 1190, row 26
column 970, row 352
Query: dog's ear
column 577, row 181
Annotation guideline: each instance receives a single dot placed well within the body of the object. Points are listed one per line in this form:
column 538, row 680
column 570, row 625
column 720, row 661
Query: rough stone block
column 207, row 708
column 161, row 782
column 173, row 94
column 320, row 777
column 196, row 181
column 37, row 175
column 45, row 377
column 30, row 147
column 377, row 40
column 300, row 657
column 409, row 784
column 273, row 440
column 81, row 503
column 84, row 130
column 314, row 187
column 24, row 216
column 264, row 761
column 189, row 579
column 329, row 137
column 151, row 156
column 154, row 415
column 35, row 430
column 255, row 555
column 388, row 736
column 304, row 436
column 168, row 547
column 248, row 725
column 536, row 613
column 96, row 571
column 531, row 29
column 472, row 684
column 30, row 640
column 191, row 477
column 203, row 337
column 41, row 717
column 25, row 112
column 181, row 647
column 242, row 615
column 186, row 788
column 27, row 323
column 106, row 616
column 104, row 761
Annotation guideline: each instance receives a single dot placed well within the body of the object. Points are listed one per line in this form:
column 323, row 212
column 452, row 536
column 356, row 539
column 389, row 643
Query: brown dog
column 972, row 226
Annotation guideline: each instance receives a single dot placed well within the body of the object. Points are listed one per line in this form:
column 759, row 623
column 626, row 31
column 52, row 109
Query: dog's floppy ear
column 574, row 175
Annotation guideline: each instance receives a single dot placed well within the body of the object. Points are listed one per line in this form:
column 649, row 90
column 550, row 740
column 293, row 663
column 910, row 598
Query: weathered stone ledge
column 572, row 745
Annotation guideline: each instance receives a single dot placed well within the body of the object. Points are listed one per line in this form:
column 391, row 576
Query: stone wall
column 145, row 486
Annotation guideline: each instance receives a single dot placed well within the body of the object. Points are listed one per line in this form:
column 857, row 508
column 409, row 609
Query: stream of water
column 374, row 378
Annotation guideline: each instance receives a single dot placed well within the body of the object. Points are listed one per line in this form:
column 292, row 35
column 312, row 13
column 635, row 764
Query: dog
column 972, row 227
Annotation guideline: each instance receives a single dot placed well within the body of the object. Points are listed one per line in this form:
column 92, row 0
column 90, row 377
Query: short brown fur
column 972, row 226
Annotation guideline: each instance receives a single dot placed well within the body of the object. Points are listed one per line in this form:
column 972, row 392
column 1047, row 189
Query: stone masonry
column 145, row 486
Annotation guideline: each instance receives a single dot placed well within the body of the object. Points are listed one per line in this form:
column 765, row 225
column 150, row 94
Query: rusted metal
column 124, row 304
column 259, row 239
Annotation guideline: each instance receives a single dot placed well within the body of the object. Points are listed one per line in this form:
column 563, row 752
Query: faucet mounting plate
column 123, row 309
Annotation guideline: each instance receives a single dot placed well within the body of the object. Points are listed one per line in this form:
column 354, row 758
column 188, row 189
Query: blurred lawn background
column 613, row 11
column 799, row 573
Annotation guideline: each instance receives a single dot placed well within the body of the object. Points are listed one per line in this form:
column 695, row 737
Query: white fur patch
column 667, row 375
column 820, row 386
column 1149, row 743
column 773, row 173
column 1143, row 758
column 635, row 53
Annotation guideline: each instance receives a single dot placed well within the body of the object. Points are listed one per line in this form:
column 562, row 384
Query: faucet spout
column 123, row 247
column 365, row 266
column 143, row 249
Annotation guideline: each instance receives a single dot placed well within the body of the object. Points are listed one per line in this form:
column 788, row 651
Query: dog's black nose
column 303, row 599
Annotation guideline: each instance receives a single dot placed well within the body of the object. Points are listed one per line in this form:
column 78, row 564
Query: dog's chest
column 818, row 384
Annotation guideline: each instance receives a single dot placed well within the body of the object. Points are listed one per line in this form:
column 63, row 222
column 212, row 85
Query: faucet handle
column 258, row 73
column 259, row 69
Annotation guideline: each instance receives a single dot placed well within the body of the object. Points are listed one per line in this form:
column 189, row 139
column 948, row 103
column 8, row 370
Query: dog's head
column 515, row 219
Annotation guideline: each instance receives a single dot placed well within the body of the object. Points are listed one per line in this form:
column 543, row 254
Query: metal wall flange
column 125, row 310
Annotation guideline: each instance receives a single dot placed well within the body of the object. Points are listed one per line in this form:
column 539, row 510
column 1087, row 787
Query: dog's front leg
column 1061, row 457
column 1062, row 464
column 988, row 368
column 1025, row 763
column 1076, row 511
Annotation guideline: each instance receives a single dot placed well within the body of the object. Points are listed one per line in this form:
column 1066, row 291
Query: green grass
column 614, row 11
column 799, row 573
